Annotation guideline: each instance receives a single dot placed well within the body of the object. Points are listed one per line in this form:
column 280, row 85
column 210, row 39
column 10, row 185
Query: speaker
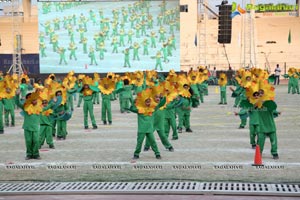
column 225, row 24
column 184, row 8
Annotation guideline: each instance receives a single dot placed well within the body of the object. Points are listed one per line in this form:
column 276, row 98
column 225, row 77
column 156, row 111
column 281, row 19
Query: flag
column 290, row 37
column 195, row 42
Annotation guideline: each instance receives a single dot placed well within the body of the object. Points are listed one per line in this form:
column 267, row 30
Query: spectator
column 277, row 74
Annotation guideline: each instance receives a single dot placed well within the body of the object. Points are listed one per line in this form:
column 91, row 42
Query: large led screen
column 109, row 36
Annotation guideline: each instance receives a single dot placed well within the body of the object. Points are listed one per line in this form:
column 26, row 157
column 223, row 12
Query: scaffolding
column 17, row 66
column 249, row 50
column 202, row 32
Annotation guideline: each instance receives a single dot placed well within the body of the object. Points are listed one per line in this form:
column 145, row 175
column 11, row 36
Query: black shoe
column 275, row 157
column 158, row 157
column 28, row 157
column 104, row 122
column 175, row 138
column 51, row 146
column 189, row 130
column 37, row 157
column 1, row 131
column 171, row 149
column 253, row 146
column 135, row 157
column 109, row 122
column 95, row 127
column 146, row 148
column 86, row 127
column 240, row 127
column 179, row 130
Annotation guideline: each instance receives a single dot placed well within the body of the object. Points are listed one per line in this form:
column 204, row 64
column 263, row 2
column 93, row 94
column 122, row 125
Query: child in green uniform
column 31, row 110
column 171, row 103
column 184, row 110
column 88, row 107
column 126, row 98
column 159, row 117
column 9, row 105
column 106, row 86
column 222, row 83
column 145, row 106
column 45, row 123
column 267, row 127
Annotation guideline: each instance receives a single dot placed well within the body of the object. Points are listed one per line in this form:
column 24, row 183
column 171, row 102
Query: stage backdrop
column 109, row 36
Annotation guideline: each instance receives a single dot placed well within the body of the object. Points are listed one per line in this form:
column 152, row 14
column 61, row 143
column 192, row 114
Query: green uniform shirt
column 266, row 120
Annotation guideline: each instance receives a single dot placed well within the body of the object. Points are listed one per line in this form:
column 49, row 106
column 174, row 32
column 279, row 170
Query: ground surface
column 216, row 150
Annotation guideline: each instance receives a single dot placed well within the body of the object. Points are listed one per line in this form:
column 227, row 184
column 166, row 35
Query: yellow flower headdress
column 106, row 85
column 9, row 87
column 96, row 77
column 170, row 91
column 71, row 73
column 247, row 79
column 33, row 109
column 151, row 76
column 57, row 87
column 140, row 102
column 269, row 90
column 253, row 88
column 2, row 91
column 184, row 91
column 126, row 77
column 38, row 87
column 111, row 74
column 158, row 90
column 25, row 77
column 45, row 97
column 222, row 79
column 81, row 76
column 138, row 78
column 193, row 77
column 87, row 80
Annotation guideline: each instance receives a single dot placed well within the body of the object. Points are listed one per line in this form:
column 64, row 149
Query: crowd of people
column 161, row 102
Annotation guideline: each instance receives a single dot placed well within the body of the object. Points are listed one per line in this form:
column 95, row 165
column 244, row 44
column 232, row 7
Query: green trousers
column 273, row 140
column 184, row 119
column 171, row 122
column 237, row 101
column 140, row 140
column 163, row 138
column 243, row 122
column 53, row 128
column 223, row 97
column 106, row 110
column 201, row 97
column 88, row 108
column 125, row 104
column 10, row 112
column 61, row 128
column 96, row 98
column 70, row 101
column 32, row 143
column 46, row 134
column 79, row 99
column 253, row 132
